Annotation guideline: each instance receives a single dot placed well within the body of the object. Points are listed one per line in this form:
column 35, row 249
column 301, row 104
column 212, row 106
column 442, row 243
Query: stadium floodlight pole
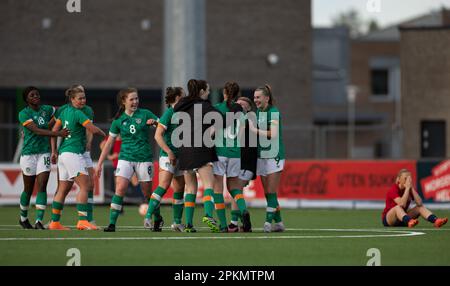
column 184, row 42
column 351, row 110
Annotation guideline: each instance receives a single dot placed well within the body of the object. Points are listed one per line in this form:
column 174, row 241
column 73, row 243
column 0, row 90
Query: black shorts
column 397, row 222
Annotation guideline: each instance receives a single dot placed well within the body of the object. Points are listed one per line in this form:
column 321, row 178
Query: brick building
column 112, row 44
column 425, row 64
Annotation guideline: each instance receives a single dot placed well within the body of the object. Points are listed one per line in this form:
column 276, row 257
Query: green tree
column 352, row 20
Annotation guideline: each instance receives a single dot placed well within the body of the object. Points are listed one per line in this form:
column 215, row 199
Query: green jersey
column 276, row 148
column 135, row 135
column 73, row 119
column 228, row 138
column 165, row 122
column 87, row 110
column 33, row 143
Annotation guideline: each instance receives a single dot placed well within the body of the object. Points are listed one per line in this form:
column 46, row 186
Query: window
column 380, row 82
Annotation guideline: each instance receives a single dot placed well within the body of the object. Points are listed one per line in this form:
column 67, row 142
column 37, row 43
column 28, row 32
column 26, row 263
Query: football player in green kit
column 169, row 171
column 133, row 125
column 87, row 110
column 35, row 158
column 71, row 163
column 270, row 154
column 229, row 154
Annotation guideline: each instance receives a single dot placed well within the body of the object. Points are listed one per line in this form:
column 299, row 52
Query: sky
column 390, row 11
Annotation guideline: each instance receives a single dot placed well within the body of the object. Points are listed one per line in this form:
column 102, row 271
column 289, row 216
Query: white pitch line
column 391, row 234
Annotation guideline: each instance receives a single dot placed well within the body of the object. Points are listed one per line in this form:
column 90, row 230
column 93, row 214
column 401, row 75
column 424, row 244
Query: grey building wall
column 331, row 66
column 105, row 47
column 240, row 36
column 425, row 65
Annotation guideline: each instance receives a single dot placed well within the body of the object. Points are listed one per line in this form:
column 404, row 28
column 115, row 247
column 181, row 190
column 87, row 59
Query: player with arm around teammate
column 35, row 157
column 169, row 172
column 71, row 163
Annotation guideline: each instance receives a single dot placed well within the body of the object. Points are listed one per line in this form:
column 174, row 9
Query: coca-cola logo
column 310, row 181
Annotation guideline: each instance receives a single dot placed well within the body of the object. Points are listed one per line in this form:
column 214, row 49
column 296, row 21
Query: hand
column 54, row 158
column 252, row 127
column 98, row 170
column 64, row 133
column 151, row 122
column 408, row 183
column 172, row 158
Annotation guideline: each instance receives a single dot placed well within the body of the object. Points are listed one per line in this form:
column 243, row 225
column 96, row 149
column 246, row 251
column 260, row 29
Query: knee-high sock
column 238, row 196
column 219, row 204
column 116, row 207
column 57, row 208
column 154, row 201
column 177, row 205
column 41, row 205
column 189, row 206
column 90, row 204
column 208, row 203
column 272, row 203
column 24, row 205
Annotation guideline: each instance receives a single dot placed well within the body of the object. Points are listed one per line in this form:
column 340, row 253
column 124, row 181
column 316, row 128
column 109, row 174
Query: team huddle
column 229, row 163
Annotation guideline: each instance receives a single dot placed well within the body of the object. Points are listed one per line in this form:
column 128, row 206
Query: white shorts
column 143, row 170
column 229, row 167
column 88, row 160
column 245, row 175
column 35, row 164
column 266, row 167
column 70, row 166
column 195, row 170
column 164, row 164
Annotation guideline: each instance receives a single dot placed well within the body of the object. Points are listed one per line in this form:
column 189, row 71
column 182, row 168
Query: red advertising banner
column 11, row 186
column 437, row 186
column 329, row 180
column 341, row 180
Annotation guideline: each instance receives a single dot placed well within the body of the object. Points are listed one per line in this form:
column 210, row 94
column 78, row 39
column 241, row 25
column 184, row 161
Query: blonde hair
column 400, row 173
column 73, row 91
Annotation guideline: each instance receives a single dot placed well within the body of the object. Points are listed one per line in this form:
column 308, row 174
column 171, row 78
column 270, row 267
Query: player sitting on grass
column 398, row 199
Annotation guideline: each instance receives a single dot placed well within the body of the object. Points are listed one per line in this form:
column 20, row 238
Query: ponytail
column 194, row 87
column 171, row 94
column 232, row 89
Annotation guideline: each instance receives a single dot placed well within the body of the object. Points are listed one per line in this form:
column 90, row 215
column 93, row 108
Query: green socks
column 41, row 205
column 235, row 216
column 238, row 197
column 219, row 204
column 177, row 204
column 154, row 201
column 208, row 203
column 116, row 207
column 90, row 204
column 24, row 205
column 189, row 206
column 272, row 204
column 56, row 211
column 82, row 211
